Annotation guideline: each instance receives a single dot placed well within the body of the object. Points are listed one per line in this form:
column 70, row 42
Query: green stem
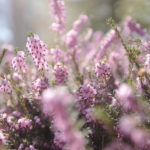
column 2, row 55
column 78, row 75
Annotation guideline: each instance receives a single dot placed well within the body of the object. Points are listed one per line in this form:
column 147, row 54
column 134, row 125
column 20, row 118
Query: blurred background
column 19, row 17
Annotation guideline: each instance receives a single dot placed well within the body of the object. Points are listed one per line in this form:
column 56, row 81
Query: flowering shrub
column 91, row 91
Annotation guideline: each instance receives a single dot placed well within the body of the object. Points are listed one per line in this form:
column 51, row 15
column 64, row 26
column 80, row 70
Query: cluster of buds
column 60, row 73
column 5, row 86
column 18, row 63
column 102, row 70
column 24, row 124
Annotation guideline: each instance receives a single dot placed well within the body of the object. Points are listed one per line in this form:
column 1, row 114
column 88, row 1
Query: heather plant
column 89, row 92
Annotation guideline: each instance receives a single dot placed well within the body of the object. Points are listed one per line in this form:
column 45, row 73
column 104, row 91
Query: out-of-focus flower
column 119, row 65
column 55, row 102
column 80, row 22
column 58, row 11
column 141, row 138
column 129, row 126
column 130, row 26
column 17, row 77
column 146, row 44
column 2, row 138
column 52, row 97
column 147, row 62
column 128, row 123
column 126, row 97
column 106, row 42
column 17, row 114
column 57, row 54
column 71, row 39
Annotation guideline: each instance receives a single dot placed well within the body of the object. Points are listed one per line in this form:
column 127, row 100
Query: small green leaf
column 30, row 34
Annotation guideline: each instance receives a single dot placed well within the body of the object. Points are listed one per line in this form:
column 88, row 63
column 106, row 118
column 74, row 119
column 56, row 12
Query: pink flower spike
column 71, row 39
column 130, row 26
column 18, row 63
column 57, row 54
column 58, row 11
column 5, row 86
column 80, row 22
column 106, row 42
column 38, row 50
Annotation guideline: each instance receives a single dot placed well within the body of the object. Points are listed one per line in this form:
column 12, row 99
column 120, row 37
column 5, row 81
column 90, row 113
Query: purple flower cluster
column 57, row 54
column 86, row 95
column 56, row 104
column 5, row 86
column 102, row 70
column 90, row 91
column 86, row 92
column 24, row 123
column 18, row 63
column 60, row 73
